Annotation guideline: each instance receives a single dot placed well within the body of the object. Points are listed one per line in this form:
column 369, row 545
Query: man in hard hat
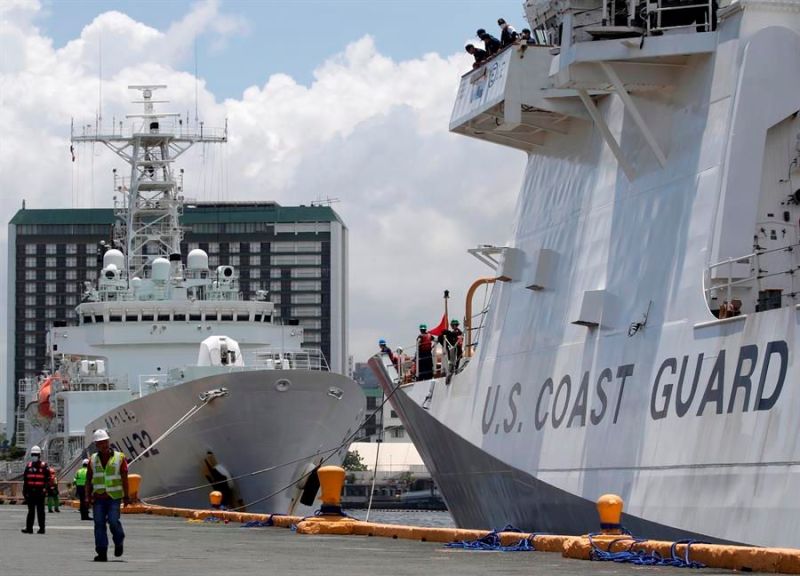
column 80, row 488
column 453, row 341
column 107, row 481
column 424, row 354
column 384, row 349
column 35, row 480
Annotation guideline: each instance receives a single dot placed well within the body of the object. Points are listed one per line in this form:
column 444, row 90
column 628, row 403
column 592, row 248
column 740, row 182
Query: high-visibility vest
column 108, row 480
column 36, row 476
column 80, row 477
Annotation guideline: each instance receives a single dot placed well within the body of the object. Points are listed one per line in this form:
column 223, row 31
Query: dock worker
column 490, row 43
column 35, row 480
column 477, row 53
column 507, row 33
column 52, row 492
column 80, row 488
column 424, row 354
column 387, row 351
column 107, row 481
column 453, row 342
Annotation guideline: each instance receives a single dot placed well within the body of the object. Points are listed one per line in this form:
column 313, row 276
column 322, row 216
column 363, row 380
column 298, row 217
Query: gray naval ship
column 201, row 389
column 641, row 332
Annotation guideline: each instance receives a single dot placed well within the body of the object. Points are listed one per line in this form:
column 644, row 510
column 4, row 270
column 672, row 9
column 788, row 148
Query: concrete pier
column 175, row 547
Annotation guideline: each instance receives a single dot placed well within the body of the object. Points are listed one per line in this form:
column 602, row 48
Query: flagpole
column 446, row 298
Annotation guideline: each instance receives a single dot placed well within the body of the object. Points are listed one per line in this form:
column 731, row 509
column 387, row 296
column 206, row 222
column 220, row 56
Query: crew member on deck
column 508, row 35
column 424, row 354
column 453, row 342
column 52, row 492
column 477, row 53
column 80, row 488
column 107, row 480
column 387, row 351
column 490, row 43
column 35, row 480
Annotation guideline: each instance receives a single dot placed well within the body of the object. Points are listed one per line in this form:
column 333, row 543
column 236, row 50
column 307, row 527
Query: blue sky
column 294, row 37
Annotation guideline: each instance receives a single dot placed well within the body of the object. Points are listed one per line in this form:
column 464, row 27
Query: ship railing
column 172, row 126
column 444, row 361
column 11, row 469
column 733, row 279
column 299, row 359
column 663, row 15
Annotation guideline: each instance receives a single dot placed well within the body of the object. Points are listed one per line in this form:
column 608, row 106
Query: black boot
column 102, row 556
column 117, row 550
column 26, row 531
column 40, row 531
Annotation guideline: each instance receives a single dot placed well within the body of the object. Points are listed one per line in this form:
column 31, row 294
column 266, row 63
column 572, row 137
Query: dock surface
column 175, row 547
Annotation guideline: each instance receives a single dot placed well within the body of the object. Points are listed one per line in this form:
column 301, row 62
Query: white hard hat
column 85, row 461
column 36, row 450
column 99, row 435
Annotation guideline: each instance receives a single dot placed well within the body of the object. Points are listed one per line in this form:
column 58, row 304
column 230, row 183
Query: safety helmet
column 85, row 462
column 423, row 326
column 454, row 322
column 480, row 33
column 381, row 341
column 36, row 450
column 100, row 435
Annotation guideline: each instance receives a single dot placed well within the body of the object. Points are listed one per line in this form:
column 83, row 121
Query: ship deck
column 171, row 546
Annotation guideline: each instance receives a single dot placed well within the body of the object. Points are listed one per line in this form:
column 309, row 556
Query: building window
column 30, row 287
column 50, row 274
column 311, row 323
column 30, row 338
column 50, row 249
column 255, row 247
column 30, row 326
column 91, row 274
column 213, row 261
column 72, row 248
column 233, row 260
column 50, row 288
column 72, row 261
column 91, row 262
column 50, row 262
column 306, row 311
column 30, row 300
column 30, row 262
column 306, row 273
column 30, row 274
column 255, row 273
column 30, row 364
column 275, row 273
column 398, row 433
column 30, row 248
column 72, row 287
column 50, row 300
column 72, row 300
column 307, row 285
column 275, row 286
column 50, row 313
column 306, row 298
column 91, row 249
column 299, row 259
column 213, row 247
column 275, row 298
column 233, row 247
column 30, row 313
column 314, row 337
column 255, row 260
column 72, row 274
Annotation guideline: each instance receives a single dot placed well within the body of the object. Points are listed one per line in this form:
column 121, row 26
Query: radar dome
column 136, row 282
column 197, row 260
column 160, row 268
column 114, row 257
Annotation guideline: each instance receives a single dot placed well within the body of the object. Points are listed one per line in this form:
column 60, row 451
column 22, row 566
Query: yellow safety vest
column 80, row 477
column 108, row 480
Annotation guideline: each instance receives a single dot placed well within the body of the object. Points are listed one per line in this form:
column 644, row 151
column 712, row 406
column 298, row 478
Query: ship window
column 194, row 317
column 180, row 317
column 258, row 317
column 211, row 317
column 98, row 319
column 267, row 318
column 131, row 318
column 115, row 318
column 243, row 317
column 147, row 317
column 227, row 317
column 87, row 319
column 163, row 317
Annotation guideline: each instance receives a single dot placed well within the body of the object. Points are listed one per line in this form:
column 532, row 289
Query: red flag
column 438, row 330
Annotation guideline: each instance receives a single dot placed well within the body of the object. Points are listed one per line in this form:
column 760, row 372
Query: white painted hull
column 256, row 426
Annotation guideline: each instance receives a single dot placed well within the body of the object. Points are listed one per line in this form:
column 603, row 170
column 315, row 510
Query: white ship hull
column 256, row 426
column 600, row 366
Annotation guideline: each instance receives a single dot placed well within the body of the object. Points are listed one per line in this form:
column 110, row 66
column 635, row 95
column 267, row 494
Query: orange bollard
column 215, row 498
column 609, row 507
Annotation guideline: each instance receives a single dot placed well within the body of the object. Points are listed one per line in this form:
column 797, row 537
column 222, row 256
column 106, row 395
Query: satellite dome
column 114, row 257
column 197, row 260
column 160, row 269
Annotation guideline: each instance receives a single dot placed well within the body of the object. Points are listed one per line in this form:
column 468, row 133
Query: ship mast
column 149, row 216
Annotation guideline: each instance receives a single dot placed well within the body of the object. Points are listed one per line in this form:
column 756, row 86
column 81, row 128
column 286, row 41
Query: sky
column 340, row 99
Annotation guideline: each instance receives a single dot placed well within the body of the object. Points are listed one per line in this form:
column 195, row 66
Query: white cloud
column 368, row 130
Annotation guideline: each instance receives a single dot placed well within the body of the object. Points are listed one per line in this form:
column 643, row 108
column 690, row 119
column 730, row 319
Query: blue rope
column 643, row 557
column 492, row 542
column 260, row 523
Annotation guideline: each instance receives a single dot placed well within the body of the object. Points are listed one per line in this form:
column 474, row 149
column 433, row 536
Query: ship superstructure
column 642, row 330
column 131, row 364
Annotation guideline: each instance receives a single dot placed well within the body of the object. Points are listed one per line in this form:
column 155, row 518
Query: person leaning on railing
column 477, row 53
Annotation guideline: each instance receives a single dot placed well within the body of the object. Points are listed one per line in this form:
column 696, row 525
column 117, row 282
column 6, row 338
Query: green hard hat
column 454, row 321
column 423, row 326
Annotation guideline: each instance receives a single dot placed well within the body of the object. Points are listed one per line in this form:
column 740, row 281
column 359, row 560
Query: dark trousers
column 107, row 511
column 425, row 361
column 81, row 490
column 35, row 505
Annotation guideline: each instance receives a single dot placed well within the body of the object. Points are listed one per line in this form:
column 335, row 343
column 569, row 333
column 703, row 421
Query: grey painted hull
column 257, row 426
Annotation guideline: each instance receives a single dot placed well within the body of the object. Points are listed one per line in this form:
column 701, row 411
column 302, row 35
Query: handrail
column 468, row 311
